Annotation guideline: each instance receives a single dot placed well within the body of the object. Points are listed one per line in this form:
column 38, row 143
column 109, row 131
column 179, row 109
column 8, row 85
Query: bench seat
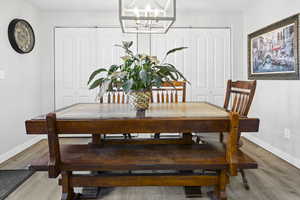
column 143, row 157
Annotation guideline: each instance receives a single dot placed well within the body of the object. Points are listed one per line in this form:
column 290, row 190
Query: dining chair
column 169, row 92
column 114, row 96
column 239, row 97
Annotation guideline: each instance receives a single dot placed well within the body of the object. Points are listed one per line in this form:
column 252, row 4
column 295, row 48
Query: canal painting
column 274, row 52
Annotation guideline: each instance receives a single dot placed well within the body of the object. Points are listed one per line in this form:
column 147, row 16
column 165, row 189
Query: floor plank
column 274, row 180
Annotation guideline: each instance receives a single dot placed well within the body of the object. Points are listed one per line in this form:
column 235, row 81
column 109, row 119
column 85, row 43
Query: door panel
column 78, row 52
column 161, row 44
column 206, row 63
column 200, row 61
column 74, row 58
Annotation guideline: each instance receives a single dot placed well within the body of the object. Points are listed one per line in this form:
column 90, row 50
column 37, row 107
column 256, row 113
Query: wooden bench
column 65, row 159
column 143, row 157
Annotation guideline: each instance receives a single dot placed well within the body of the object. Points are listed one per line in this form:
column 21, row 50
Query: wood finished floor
column 274, row 180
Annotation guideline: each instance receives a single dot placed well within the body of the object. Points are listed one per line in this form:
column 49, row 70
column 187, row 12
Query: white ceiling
column 112, row 5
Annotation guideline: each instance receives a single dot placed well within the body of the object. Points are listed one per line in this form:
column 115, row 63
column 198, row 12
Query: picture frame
column 273, row 51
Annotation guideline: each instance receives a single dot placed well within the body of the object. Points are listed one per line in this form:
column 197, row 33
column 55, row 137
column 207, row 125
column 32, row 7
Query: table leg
column 188, row 138
column 96, row 139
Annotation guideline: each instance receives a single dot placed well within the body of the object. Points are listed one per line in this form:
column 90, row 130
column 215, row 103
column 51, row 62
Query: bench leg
column 245, row 181
column 193, row 191
column 67, row 190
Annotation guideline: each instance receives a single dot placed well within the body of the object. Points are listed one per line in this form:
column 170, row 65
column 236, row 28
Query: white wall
column 77, row 19
column 276, row 102
column 20, row 90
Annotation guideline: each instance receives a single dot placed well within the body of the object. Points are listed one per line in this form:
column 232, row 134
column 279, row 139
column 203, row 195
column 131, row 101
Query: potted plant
column 136, row 76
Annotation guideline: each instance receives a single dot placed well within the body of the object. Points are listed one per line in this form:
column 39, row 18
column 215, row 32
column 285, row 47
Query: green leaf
column 157, row 81
column 143, row 75
column 175, row 49
column 180, row 74
column 172, row 76
column 118, row 45
column 127, row 44
column 97, row 83
column 98, row 71
column 130, row 44
column 104, row 87
column 117, row 75
column 128, row 85
column 113, row 68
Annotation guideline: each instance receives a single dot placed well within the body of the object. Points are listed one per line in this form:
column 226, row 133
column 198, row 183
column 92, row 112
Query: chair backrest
column 239, row 96
column 116, row 96
column 174, row 92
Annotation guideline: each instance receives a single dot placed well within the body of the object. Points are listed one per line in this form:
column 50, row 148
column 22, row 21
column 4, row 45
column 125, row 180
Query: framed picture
column 273, row 51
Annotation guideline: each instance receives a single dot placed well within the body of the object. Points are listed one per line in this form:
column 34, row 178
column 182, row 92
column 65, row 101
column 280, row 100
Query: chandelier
column 147, row 16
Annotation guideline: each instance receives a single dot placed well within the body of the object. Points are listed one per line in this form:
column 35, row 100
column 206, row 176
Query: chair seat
column 144, row 157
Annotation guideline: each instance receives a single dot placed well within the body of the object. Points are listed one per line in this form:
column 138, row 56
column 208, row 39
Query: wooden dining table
column 122, row 118
column 145, row 154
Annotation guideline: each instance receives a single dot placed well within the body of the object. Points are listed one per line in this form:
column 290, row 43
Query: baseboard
column 283, row 155
column 18, row 149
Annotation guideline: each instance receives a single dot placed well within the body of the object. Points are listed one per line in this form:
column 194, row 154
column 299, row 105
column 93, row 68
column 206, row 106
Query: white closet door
column 75, row 57
column 206, row 63
column 161, row 44
column 78, row 52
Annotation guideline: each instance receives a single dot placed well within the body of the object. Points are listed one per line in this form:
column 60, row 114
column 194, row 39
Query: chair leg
column 127, row 136
column 245, row 181
column 221, row 139
column 67, row 190
column 157, row 135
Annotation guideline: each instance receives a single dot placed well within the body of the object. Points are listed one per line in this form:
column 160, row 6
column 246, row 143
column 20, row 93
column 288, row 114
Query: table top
column 119, row 111
column 160, row 118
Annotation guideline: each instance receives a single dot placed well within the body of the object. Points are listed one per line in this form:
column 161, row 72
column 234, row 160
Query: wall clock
column 21, row 36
